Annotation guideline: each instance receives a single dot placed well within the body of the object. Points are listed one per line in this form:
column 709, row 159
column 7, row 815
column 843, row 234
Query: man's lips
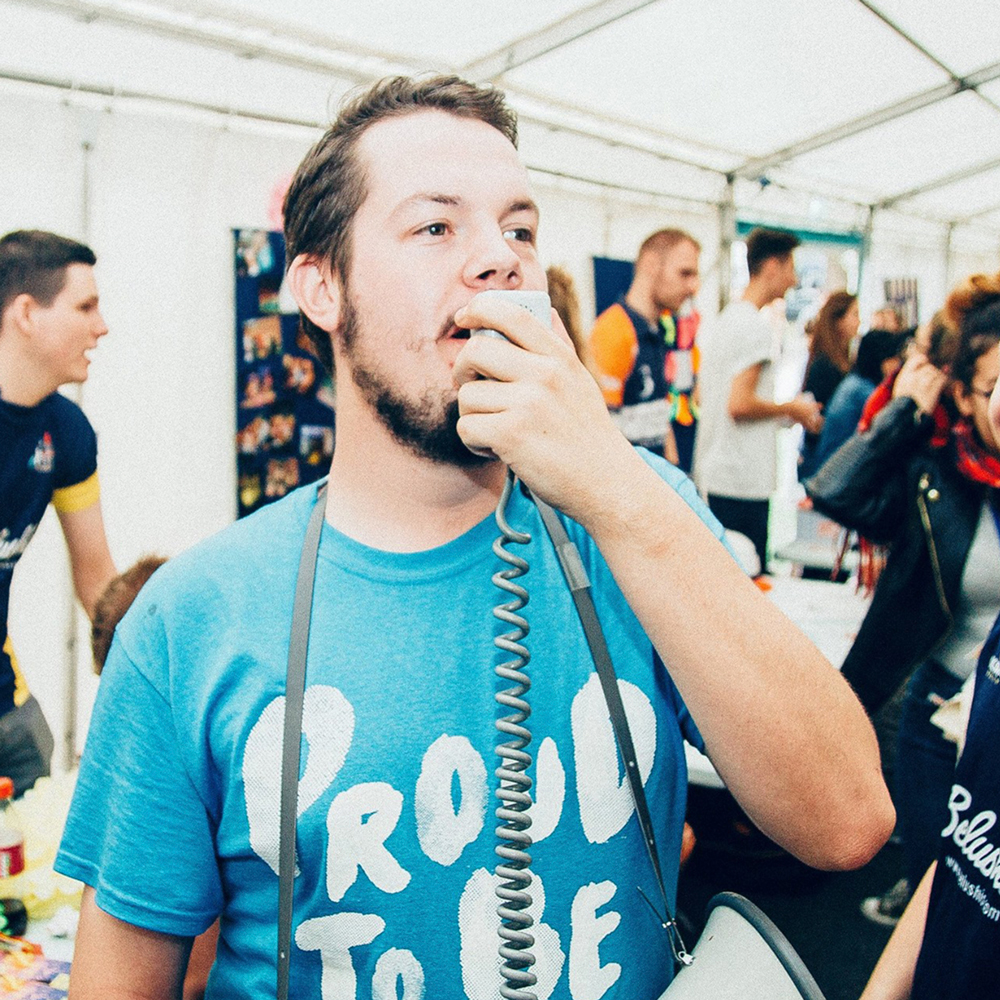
column 453, row 332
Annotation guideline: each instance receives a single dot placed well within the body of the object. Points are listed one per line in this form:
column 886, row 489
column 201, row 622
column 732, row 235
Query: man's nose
column 492, row 263
column 100, row 327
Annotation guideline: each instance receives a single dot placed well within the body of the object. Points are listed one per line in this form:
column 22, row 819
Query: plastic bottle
column 11, row 834
column 13, row 916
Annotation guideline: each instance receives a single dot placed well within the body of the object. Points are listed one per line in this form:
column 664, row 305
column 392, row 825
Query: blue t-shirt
column 175, row 817
column 45, row 449
column 960, row 955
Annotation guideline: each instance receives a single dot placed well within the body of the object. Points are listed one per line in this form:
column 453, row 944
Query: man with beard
column 633, row 339
column 413, row 203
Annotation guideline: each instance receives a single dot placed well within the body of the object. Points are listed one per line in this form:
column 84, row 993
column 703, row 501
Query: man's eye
column 520, row 234
column 435, row 229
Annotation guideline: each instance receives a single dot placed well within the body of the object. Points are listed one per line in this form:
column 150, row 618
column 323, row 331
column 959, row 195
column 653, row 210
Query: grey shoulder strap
column 291, row 743
column 579, row 586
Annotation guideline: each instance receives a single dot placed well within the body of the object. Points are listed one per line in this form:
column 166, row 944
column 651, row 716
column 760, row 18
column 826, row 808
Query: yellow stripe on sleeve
column 80, row 496
column 21, row 692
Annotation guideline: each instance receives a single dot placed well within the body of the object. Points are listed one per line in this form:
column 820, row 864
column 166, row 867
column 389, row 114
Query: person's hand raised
column 921, row 381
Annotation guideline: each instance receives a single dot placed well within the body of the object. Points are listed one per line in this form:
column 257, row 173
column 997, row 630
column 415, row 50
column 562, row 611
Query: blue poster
column 284, row 399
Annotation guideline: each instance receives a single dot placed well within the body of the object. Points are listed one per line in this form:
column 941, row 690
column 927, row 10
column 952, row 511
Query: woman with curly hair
column 934, row 498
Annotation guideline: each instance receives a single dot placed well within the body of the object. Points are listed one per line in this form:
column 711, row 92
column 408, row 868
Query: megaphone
column 741, row 955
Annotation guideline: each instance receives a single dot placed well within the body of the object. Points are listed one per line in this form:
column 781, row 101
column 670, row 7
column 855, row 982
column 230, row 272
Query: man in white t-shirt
column 736, row 449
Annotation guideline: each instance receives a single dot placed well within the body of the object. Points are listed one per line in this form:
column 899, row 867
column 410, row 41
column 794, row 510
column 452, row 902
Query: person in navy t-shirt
column 49, row 321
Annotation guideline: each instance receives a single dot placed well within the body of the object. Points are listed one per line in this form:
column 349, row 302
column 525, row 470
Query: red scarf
column 974, row 461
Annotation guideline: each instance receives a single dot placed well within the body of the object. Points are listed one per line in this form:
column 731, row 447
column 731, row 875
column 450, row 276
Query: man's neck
column 384, row 495
column 758, row 294
column 21, row 382
column 641, row 301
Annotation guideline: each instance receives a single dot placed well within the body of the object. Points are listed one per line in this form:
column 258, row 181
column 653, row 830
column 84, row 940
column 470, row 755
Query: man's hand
column 531, row 401
column 784, row 730
column 803, row 409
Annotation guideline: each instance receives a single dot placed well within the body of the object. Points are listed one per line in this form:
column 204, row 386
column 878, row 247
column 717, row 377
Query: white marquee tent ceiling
column 808, row 112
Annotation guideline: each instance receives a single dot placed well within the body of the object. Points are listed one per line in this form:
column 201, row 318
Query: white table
column 829, row 613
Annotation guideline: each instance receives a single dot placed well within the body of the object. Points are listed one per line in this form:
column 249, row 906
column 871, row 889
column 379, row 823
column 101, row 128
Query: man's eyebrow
column 455, row 201
column 431, row 197
column 523, row 205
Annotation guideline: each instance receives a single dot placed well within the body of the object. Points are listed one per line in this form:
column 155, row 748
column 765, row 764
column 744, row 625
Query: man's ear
column 317, row 290
column 19, row 310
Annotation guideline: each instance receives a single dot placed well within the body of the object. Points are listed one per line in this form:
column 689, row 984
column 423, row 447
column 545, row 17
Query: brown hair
column 562, row 292
column 34, row 262
column 329, row 185
column 826, row 338
column 664, row 240
column 942, row 340
column 762, row 244
column 974, row 307
column 114, row 601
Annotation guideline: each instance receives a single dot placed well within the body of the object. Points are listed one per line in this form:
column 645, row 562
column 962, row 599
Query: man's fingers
column 515, row 321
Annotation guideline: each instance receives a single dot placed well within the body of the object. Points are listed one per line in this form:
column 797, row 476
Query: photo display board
column 284, row 399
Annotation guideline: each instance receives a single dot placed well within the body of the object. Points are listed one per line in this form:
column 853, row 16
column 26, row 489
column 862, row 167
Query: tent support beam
column 866, row 246
column 611, row 186
column 245, row 38
column 956, row 85
column 727, row 235
column 959, row 175
column 971, row 82
column 231, row 113
column 949, row 255
column 753, row 168
column 972, row 216
column 553, row 36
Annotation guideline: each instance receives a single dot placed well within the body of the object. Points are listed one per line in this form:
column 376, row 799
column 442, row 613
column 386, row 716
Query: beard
column 426, row 425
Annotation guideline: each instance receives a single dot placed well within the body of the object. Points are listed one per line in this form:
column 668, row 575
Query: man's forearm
column 114, row 960
column 784, row 730
column 751, row 408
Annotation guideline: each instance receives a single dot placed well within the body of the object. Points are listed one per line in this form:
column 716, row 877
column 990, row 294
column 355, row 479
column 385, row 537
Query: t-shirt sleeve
column 613, row 346
column 753, row 344
column 138, row 831
column 683, row 486
column 685, row 489
column 76, row 445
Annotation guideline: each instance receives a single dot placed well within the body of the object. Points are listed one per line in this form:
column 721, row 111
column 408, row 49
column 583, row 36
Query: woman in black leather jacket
column 940, row 588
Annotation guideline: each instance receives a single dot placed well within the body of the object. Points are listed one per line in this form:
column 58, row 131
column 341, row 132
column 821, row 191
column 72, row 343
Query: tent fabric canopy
column 817, row 114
